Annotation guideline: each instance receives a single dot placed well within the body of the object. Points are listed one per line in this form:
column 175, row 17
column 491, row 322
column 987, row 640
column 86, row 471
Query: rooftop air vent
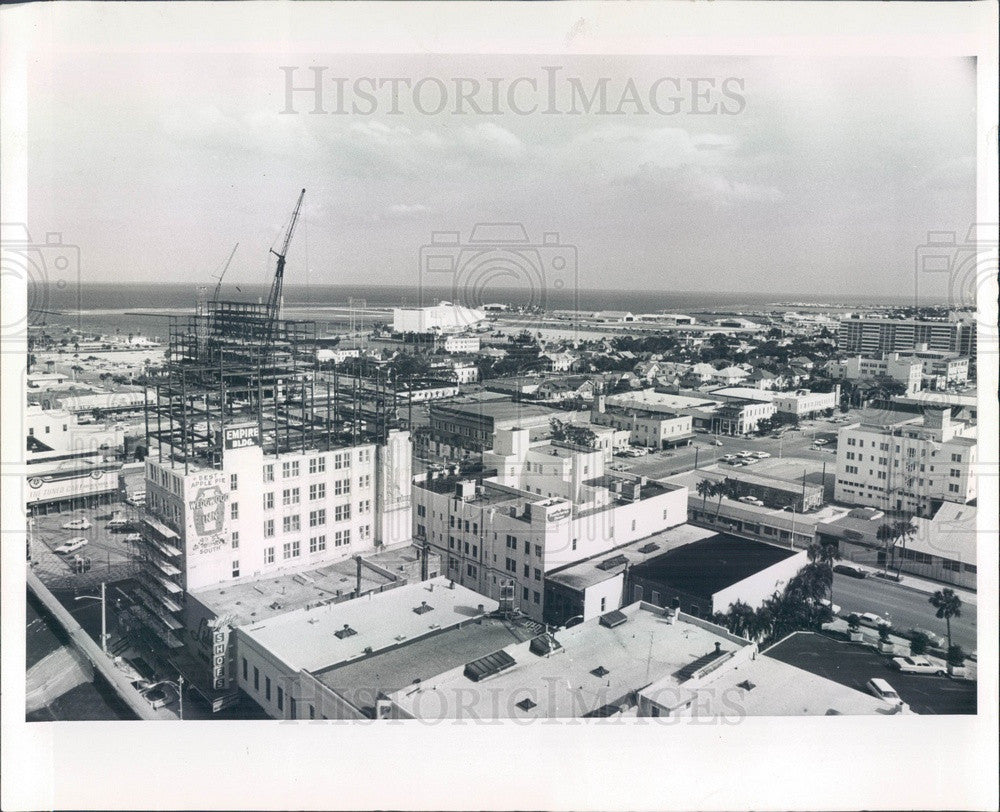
column 423, row 608
column 612, row 619
column 600, row 671
column 746, row 685
column 648, row 548
column 347, row 631
column 526, row 704
column 489, row 665
column 611, row 563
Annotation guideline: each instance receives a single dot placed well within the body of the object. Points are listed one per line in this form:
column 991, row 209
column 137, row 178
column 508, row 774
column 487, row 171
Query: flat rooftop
column 594, row 668
column 307, row 638
column 690, row 479
column 254, row 600
column 498, row 408
column 585, row 574
column 709, row 565
column 747, row 393
column 361, row 681
column 768, row 687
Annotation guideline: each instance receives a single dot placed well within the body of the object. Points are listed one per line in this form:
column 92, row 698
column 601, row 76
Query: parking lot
column 852, row 664
column 110, row 557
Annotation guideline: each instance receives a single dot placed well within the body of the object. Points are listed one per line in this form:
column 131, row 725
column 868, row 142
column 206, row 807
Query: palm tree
column 705, row 488
column 904, row 529
column 824, row 554
column 948, row 605
column 887, row 535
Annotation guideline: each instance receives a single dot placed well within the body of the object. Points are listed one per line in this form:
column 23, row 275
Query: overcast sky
column 825, row 180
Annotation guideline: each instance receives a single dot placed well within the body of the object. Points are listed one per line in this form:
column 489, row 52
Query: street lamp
column 104, row 614
column 179, row 685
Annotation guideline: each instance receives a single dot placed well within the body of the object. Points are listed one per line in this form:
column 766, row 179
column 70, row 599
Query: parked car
column 117, row 522
column 761, row 455
column 751, row 461
column 160, row 695
column 884, row 691
column 729, row 457
column 820, row 441
column 872, row 620
column 831, row 606
column 751, row 500
column 734, row 461
column 80, row 523
column 847, row 569
column 935, row 640
column 716, row 442
column 743, row 454
column 133, row 538
column 70, row 546
column 917, row 665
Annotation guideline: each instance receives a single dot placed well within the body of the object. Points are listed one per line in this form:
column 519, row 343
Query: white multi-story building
column 907, row 371
column 466, row 374
column 444, row 318
column 803, row 402
column 649, row 429
column 912, row 466
column 549, row 505
column 461, row 344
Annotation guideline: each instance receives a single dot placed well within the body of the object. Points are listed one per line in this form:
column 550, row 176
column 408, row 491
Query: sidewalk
column 920, row 584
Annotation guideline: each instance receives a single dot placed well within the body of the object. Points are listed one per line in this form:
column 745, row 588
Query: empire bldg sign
column 241, row 436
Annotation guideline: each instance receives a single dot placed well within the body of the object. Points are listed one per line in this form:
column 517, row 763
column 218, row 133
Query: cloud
column 957, row 173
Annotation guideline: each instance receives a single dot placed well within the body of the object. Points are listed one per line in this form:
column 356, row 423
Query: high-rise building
column 875, row 335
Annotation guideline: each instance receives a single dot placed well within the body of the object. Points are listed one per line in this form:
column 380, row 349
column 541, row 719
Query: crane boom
column 274, row 299
column 218, row 285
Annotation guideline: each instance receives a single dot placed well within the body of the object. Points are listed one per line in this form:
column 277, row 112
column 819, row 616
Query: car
column 820, row 441
column 884, row 691
column 716, row 442
column 117, row 523
column 743, row 454
column 831, row 606
column 751, row 461
column 133, row 538
column 160, row 695
column 81, row 523
column 847, row 569
column 917, row 665
column 788, row 509
column 70, row 546
column 935, row 640
column 734, row 461
column 872, row 620
column 729, row 457
column 761, row 455
column 751, row 500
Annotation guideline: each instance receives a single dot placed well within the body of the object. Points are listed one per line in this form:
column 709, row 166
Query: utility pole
column 180, row 695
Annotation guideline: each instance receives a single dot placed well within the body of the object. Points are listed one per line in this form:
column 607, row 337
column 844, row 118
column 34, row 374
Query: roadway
column 904, row 608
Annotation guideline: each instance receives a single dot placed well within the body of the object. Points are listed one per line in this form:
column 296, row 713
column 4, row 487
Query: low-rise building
column 650, row 429
column 906, row 371
column 461, row 344
column 443, row 317
column 803, row 403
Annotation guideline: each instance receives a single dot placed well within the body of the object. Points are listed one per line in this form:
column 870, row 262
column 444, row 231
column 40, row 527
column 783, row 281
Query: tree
column 948, row 605
column 824, row 554
column 705, row 488
column 728, row 488
column 919, row 643
column 887, row 534
column 739, row 620
column 904, row 529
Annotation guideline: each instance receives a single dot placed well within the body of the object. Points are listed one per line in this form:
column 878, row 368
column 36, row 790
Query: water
column 104, row 308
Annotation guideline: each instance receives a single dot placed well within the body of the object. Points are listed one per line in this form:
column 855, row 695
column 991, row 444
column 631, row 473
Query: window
column 269, row 528
column 312, row 712
column 317, row 491
column 269, row 473
column 955, row 472
column 317, row 518
column 236, row 569
column 364, row 532
column 269, row 555
column 286, row 550
column 281, row 698
column 342, row 512
column 524, row 593
column 267, row 688
column 234, row 510
column 470, row 571
column 296, row 548
column 342, row 538
column 341, row 486
column 538, row 550
column 317, row 544
column 289, row 469
column 538, row 574
column 290, row 496
column 365, row 506
column 317, row 465
column 236, row 539
column 244, row 669
column 527, row 571
column 291, row 707
column 574, row 544
column 256, row 678
column 233, row 482
column 536, row 597
column 422, row 511
column 269, row 501
column 291, row 523
column 604, row 604
column 510, row 565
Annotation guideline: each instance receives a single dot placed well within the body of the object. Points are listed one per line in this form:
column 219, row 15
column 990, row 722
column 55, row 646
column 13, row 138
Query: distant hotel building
column 912, row 465
column 873, row 336
column 440, row 318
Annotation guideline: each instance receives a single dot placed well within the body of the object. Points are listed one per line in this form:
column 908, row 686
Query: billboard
column 206, row 497
column 241, row 436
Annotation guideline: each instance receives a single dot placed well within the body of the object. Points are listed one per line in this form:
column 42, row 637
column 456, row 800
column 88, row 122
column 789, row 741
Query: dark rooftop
column 705, row 567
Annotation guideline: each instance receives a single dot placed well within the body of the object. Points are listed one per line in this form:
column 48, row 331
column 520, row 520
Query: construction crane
column 274, row 300
column 218, row 285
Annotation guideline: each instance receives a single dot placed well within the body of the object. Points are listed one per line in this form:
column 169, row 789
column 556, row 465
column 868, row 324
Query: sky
column 808, row 175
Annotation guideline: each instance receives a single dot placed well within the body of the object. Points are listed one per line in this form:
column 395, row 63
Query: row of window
column 317, row 465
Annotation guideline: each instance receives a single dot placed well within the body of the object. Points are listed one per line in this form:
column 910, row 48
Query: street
column 903, row 608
